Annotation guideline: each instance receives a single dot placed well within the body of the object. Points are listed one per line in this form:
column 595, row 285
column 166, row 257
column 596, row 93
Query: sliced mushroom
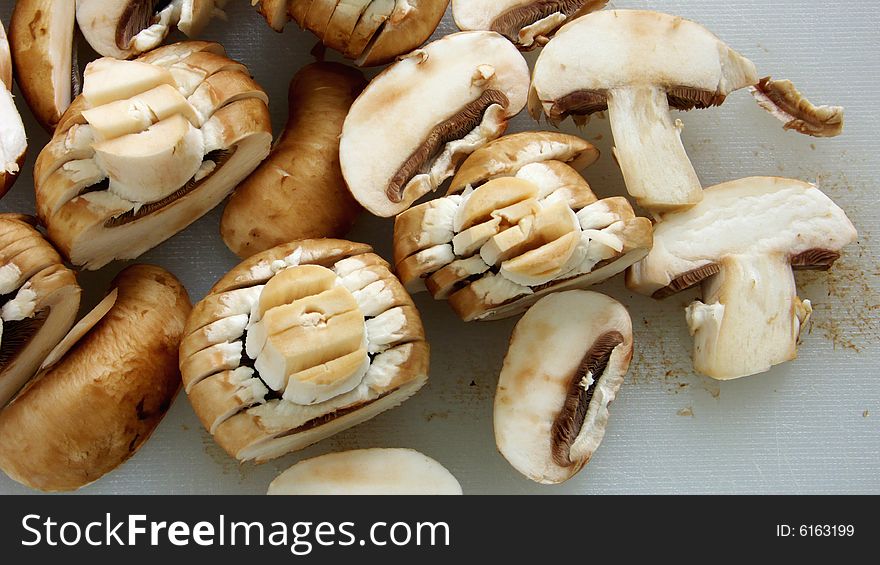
column 429, row 110
column 568, row 357
column 638, row 65
column 494, row 250
column 125, row 28
column 299, row 192
column 367, row 472
column 298, row 343
column 785, row 102
column 741, row 242
column 13, row 139
column 527, row 23
column 40, row 299
column 42, row 42
column 5, row 59
column 149, row 147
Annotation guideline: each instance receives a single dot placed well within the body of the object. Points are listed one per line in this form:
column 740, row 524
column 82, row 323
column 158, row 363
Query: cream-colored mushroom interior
column 13, row 141
column 150, row 22
column 19, row 318
column 309, row 342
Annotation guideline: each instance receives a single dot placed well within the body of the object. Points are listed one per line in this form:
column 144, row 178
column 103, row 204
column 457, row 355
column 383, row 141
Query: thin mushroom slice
column 145, row 155
column 13, row 140
column 5, row 60
column 741, row 243
column 567, row 359
column 788, row 105
column 527, row 23
column 409, row 25
column 466, row 87
column 367, row 472
column 299, row 342
column 42, row 44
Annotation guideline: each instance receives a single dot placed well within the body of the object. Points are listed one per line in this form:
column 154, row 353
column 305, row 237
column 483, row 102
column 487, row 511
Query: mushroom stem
column 655, row 166
column 750, row 317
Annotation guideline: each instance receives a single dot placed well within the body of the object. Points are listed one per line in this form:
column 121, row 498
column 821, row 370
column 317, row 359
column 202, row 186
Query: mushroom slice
column 410, row 24
column 142, row 155
column 466, row 86
column 5, row 60
column 328, row 339
column 13, row 141
column 276, row 11
column 125, row 28
column 568, row 357
column 91, row 410
column 372, row 21
column 527, row 23
column 741, row 242
column 367, row 472
column 494, row 250
column 42, row 45
column 40, row 299
column 785, row 102
column 638, row 65
column 507, row 155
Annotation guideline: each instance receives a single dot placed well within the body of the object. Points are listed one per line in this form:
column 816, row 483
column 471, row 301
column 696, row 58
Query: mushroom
column 568, row 357
column 125, row 28
column 13, row 139
column 534, row 229
column 40, row 299
column 742, row 242
column 527, row 23
column 785, row 102
column 149, row 147
column 367, row 472
column 42, row 43
column 430, row 110
column 372, row 32
column 298, row 192
column 5, row 60
column 298, row 343
column 100, row 397
column 638, row 65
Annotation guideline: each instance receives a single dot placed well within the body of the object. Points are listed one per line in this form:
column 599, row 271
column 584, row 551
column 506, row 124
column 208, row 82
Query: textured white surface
column 811, row 426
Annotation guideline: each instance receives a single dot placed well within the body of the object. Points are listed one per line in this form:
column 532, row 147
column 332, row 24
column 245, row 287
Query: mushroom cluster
column 298, row 343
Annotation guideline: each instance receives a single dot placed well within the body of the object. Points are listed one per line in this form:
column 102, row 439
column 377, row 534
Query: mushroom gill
column 17, row 334
column 688, row 98
column 510, row 22
column 138, row 16
column 783, row 100
column 687, row 280
column 578, row 103
column 818, row 259
column 570, row 420
column 456, row 127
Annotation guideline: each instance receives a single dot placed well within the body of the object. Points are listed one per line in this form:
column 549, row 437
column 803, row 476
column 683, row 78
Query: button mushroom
column 367, row 472
column 742, row 242
column 527, row 23
column 567, row 359
column 125, row 28
column 298, row 192
column 149, row 147
column 13, row 139
column 100, row 395
column 429, row 110
column 534, row 229
column 298, row 343
column 638, row 65
column 40, row 299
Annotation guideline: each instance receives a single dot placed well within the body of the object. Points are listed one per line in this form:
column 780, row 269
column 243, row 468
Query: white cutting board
column 810, row 426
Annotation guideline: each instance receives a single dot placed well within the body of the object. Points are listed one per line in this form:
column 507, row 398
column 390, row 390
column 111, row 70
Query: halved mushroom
column 149, row 147
column 104, row 392
column 367, row 472
column 42, row 42
column 125, row 28
column 298, row 343
column 13, row 139
column 534, row 229
column 786, row 103
column 568, row 356
column 527, row 23
column 39, row 299
column 742, row 242
column 430, row 110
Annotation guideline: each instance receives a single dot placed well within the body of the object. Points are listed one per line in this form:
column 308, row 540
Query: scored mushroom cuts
column 298, row 343
column 567, row 359
column 148, row 148
column 742, row 242
column 416, row 121
column 367, row 472
column 527, row 23
column 535, row 228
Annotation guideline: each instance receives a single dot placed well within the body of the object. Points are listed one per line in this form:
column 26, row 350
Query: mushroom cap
column 332, row 313
column 565, row 341
column 13, row 141
column 411, row 99
column 410, row 24
column 93, row 409
column 42, row 41
column 367, row 472
column 634, row 48
column 771, row 216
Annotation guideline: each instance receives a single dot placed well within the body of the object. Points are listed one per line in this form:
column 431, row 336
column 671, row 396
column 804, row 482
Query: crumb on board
column 686, row 412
